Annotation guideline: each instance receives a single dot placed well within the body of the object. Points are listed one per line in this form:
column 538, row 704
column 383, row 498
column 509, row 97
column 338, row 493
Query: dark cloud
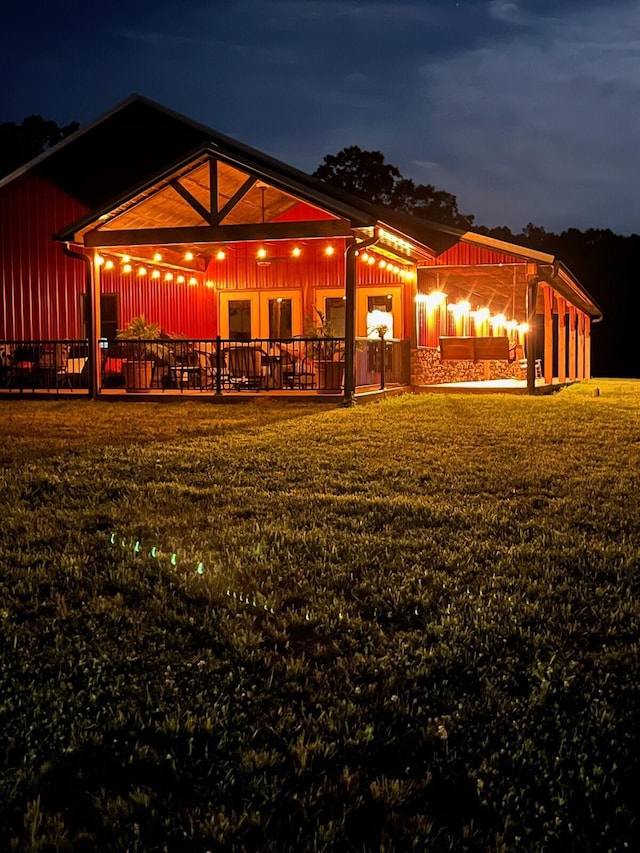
column 525, row 109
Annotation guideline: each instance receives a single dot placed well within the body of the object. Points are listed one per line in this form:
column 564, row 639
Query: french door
column 260, row 314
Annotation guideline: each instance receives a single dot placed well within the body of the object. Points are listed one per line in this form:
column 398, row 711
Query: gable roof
column 126, row 152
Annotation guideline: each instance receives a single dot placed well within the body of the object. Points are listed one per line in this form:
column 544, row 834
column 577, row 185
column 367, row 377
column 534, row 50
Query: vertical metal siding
column 41, row 286
column 465, row 254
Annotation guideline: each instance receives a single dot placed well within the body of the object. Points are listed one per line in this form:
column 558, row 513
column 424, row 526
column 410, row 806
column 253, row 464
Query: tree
column 367, row 175
column 361, row 173
column 20, row 143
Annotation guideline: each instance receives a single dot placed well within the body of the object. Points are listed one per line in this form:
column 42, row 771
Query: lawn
column 411, row 625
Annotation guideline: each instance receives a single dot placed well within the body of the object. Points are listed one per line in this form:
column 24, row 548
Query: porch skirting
column 428, row 369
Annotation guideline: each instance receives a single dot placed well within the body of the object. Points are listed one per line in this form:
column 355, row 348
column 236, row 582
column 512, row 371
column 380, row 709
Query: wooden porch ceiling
column 501, row 288
column 204, row 205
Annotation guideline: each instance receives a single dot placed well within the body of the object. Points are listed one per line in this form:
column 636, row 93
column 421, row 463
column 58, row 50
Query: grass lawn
column 412, row 625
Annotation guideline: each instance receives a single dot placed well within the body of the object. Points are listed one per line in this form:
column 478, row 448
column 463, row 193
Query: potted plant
column 137, row 366
column 327, row 353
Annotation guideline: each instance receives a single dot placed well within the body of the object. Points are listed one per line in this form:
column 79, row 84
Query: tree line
column 604, row 262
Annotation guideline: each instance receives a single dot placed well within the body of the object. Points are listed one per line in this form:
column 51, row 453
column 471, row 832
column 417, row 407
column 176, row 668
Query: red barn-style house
column 147, row 253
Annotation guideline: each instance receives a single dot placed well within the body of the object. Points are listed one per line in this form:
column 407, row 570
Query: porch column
column 530, row 338
column 93, row 329
column 587, row 347
column 350, row 325
column 562, row 339
column 350, row 282
column 572, row 343
column 548, row 333
column 580, row 345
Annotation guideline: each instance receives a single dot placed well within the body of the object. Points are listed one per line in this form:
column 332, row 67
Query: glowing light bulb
column 193, row 280
column 329, row 251
column 126, row 268
column 262, row 253
column 108, row 265
column 188, row 256
column 180, row 279
column 220, row 255
column 296, row 252
column 168, row 276
column 157, row 257
column 155, row 274
column 142, row 270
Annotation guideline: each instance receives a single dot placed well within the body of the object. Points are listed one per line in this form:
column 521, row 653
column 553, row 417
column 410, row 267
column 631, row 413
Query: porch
column 217, row 368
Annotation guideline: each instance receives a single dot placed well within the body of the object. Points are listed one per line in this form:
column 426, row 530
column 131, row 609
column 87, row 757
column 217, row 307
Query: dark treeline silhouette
column 20, row 143
column 602, row 261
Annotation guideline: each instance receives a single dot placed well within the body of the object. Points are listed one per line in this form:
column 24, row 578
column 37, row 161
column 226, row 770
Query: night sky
column 526, row 111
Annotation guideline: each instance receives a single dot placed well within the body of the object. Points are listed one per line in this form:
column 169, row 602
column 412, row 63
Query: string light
column 155, row 274
column 157, row 257
column 168, row 276
column 142, row 271
column 193, row 280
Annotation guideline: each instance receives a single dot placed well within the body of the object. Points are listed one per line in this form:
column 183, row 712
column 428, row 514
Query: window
column 334, row 310
column 280, row 318
column 240, row 319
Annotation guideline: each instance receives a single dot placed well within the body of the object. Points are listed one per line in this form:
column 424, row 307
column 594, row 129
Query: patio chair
column 246, row 368
column 206, row 373
column 52, row 365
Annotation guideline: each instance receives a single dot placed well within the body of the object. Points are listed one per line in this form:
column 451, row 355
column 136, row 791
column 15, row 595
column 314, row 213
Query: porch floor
column 493, row 386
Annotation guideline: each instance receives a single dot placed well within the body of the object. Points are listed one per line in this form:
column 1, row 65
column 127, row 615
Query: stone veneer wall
column 427, row 369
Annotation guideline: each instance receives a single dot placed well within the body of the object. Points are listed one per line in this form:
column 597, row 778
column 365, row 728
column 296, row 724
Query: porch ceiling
column 501, row 288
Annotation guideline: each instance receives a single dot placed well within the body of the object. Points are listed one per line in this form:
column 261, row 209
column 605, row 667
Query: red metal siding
column 40, row 285
column 464, row 254
column 178, row 308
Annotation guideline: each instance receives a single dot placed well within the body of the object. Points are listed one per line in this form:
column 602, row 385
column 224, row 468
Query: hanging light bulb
column 157, row 257
column 142, row 271
column 220, row 255
column 188, row 256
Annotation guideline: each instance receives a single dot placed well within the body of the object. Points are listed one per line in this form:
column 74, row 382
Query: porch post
column 530, row 342
column 587, row 347
column 350, row 325
column 92, row 318
column 548, row 334
column 562, row 339
column 580, row 319
column 350, row 282
column 572, row 342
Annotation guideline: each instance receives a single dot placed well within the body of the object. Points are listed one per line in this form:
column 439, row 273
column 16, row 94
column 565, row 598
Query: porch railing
column 50, row 365
column 213, row 365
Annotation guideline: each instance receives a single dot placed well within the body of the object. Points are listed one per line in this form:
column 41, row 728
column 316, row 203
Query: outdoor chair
column 246, row 368
column 52, row 365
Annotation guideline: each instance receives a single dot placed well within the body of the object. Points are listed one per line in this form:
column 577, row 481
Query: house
column 232, row 254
